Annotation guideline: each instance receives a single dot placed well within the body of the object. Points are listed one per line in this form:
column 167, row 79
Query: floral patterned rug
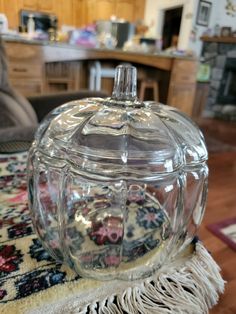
column 32, row 282
column 25, row 267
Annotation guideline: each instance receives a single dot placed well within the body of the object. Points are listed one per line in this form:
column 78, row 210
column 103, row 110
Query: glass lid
column 121, row 135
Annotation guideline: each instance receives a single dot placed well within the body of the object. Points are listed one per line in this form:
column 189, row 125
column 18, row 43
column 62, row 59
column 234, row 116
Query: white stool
column 97, row 72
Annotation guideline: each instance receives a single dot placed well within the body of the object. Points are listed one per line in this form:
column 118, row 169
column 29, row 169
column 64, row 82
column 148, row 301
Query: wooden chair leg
column 142, row 91
column 156, row 91
column 152, row 85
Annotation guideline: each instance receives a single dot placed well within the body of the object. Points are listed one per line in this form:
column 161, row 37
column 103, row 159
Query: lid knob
column 125, row 85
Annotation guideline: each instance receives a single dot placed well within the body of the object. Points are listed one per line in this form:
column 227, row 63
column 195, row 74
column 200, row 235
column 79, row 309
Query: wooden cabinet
column 27, row 87
column 36, row 68
column 37, row 5
column 183, row 85
column 202, row 92
column 130, row 10
column 90, row 11
column 26, row 68
column 29, row 4
column 99, row 10
column 125, row 9
column 184, row 71
column 75, row 12
column 45, row 6
column 78, row 9
column 181, row 97
column 139, row 7
column 66, row 12
column 69, row 12
column 18, row 70
column 104, row 9
column 11, row 9
column 61, row 76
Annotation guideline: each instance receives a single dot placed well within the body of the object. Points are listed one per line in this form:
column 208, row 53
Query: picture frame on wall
column 225, row 31
column 203, row 13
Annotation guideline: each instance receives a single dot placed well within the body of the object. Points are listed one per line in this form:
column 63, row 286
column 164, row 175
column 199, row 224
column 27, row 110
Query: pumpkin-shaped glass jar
column 116, row 185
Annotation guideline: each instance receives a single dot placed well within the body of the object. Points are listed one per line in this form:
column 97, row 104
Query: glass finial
column 125, row 85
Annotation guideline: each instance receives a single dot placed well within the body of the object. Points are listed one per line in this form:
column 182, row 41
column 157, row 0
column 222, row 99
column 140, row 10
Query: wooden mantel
column 216, row 39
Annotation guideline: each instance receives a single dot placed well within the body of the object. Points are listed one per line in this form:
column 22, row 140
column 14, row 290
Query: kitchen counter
column 160, row 60
column 177, row 72
column 61, row 44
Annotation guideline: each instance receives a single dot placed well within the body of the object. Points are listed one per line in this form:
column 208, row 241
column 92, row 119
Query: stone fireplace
column 221, row 56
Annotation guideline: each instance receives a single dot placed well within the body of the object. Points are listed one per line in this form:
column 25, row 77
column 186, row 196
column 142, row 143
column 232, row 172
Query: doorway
column 171, row 27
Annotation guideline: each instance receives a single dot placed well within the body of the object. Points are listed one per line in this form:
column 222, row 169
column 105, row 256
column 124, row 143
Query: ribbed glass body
column 116, row 185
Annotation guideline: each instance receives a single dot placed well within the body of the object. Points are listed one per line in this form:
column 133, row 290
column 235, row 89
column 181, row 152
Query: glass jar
column 117, row 186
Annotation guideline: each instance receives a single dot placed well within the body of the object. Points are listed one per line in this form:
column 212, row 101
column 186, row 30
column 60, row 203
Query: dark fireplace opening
column 230, row 87
column 227, row 90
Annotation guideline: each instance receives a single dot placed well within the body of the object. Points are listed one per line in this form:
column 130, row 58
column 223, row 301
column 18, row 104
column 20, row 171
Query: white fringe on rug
column 191, row 286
